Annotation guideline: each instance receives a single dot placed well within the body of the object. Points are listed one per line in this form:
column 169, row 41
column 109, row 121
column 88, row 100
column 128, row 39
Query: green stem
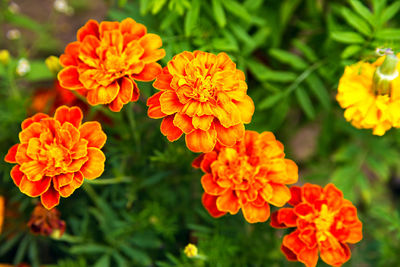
column 107, row 181
column 132, row 123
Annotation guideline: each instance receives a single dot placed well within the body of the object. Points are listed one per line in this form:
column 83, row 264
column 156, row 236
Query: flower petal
column 16, row 175
column 211, row 187
column 72, row 115
column 201, row 141
column 169, row 102
column 154, row 105
column 90, row 28
column 35, row 118
column 69, row 78
column 124, row 96
column 34, row 188
column 228, row 202
column 169, row 129
column 229, row 136
column 33, row 170
column 94, row 167
column 183, row 122
column 50, row 198
column 150, row 42
column 209, row 202
column 10, row 157
column 92, row 132
column 103, row 95
column 254, row 214
column 149, row 72
column 280, row 195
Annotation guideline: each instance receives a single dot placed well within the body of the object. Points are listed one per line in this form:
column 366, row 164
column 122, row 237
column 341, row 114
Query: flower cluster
column 56, row 154
column 203, row 96
column 370, row 93
column 108, row 58
column 248, row 176
column 324, row 222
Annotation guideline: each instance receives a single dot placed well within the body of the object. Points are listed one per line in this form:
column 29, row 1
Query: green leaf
column 347, row 37
column 345, row 178
column 22, row 249
column 262, row 73
column 104, row 261
column 305, row 102
column 192, row 17
column 219, row 13
column 89, row 249
column 270, row 101
column 319, row 89
column 38, row 72
column 389, row 12
column 288, row 58
column 237, row 9
column 136, row 255
column 388, row 34
column 363, row 11
column 355, row 21
column 307, row 51
column 286, row 11
column 350, row 51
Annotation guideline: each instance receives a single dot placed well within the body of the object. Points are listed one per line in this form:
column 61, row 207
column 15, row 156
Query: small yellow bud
column 53, row 64
column 56, row 234
column 190, row 250
column 4, row 57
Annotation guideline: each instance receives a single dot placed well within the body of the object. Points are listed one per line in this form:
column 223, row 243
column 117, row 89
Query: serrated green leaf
column 270, row 101
column 262, row 73
column 305, row 102
column 363, row 11
column 356, row 21
column 350, row 51
column 288, row 58
column 347, row 37
column 307, row 51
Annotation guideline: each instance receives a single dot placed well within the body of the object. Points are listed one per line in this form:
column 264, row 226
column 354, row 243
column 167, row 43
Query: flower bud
column 190, row 250
column 4, row 57
column 53, row 64
column 385, row 74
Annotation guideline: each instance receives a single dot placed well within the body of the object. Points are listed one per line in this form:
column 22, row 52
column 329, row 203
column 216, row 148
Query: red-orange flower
column 325, row 222
column 55, row 154
column 106, row 60
column 248, row 176
column 46, row 222
column 2, row 212
column 204, row 96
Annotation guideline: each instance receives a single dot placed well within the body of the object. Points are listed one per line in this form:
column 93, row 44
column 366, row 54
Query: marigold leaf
column 288, row 58
column 104, row 261
column 389, row 12
column 355, row 21
column 305, row 102
column 347, row 37
column 219, row 13
column 363, row 11
column 388, row 34
column 350, row 51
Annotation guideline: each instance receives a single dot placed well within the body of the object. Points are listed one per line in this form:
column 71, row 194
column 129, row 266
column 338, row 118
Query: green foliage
column 147, row 205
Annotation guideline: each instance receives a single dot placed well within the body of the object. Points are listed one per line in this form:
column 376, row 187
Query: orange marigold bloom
column 2, row 212
column 325, row 222
column 248, row 176
column 108, row 58
column 204, row 96
column 46, row 222
column 55, row 154
column 371, row 98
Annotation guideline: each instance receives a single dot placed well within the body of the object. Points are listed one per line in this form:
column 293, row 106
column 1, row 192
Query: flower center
column 323, row 223
column 239, row 169
column 202, row 87
column 56, row 156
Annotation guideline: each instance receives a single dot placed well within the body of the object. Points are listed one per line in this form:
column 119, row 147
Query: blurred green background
column 146, row 207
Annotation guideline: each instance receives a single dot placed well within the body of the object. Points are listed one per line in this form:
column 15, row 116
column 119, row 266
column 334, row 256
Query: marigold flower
column 46, row 222
column 371, row 95
column 2, row 212
column 56, row 154
column 248, row 176
column 108, row 58
column 204, row 96
column 324, row 222
column 190, row 250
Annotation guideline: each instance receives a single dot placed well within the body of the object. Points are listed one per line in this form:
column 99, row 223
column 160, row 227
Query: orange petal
column 169, row 129
column 211, row 187
column 208, row 158
column 76, row 164
column 106, row 26
column 50, row 198
column 229, row 136
column 292, row 171
column 280, row 195
column 150, row 42
column 169, row 102
column 113, row 39
column 309, row 257
column 78, row 180
column 92, row 132
column 201, row 141
column 149, row 72
column 94, row 167
column 302, row 210
column 130, row 26
column 36, row 118
column 124, row 95
column 283, row 218
column 10, row 157
column 311, row 192
column 295, row 192
column 209, row 202
column 34, row 189
column 163, row 80
column 33, row 170
column 71, row 55
column 254, row 214
column 72, row 115
column 183, row 122
column 290, row 256
column 246, row 108
column 90, row 28
column 178, row 63
column 154, row 110
column 16, row 175
column 88, row 50
column 202, row 122
column 103, row 95
column 197, row 161
column 335, row 256
column 293, row 242
column 67, row 190
column 33, row 131
column 21, row 156
column 228, row 202
column 62, row 180
column 79, row 150
column 333, row 196
column 308, row 236
column 69, row 78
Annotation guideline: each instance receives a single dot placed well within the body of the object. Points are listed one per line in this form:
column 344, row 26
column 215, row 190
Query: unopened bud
column 385, row 74
column 53, row 64
column 4, row 57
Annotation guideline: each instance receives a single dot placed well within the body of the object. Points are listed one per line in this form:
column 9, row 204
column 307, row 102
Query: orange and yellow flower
column 367, row 106
column 248, row 176
column 2, row 212
column 324, row 222
column 46, row 222
column 56, row 154
column 203, row 96
column 108, row 58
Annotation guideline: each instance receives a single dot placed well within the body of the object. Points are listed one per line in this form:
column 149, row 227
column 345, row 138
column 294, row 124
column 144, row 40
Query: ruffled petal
column 229, row 136
column 209, row 202
column 92, row 132
column 211, row 187
column 169, row 129
column 94, row 167
column 254, row 214
column 90, row 28
column 154, row 105
column 10, row 157
column 149, row 72
column 34, row 188
column 124, row 96
column 50, row 198
column 69, row 78
column 16, row 175
column 201, row 141
column 103, row 95
column 72, row 115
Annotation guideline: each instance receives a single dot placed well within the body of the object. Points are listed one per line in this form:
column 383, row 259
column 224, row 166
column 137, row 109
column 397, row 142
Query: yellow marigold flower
column 370, row 93
column 190, row 250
